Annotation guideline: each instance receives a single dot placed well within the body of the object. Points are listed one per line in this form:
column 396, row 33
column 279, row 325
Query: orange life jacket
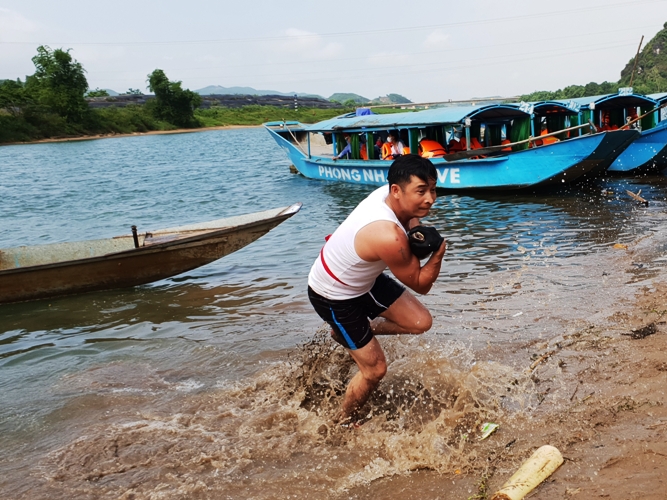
column 456, row 146
column 462, row 145
column 363, row 152
column 506, row 141
column 431, row 149
column 546, row 140
column 386, row 151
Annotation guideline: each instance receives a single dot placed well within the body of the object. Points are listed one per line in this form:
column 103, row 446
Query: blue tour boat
column 521, row 164
column 648, row 152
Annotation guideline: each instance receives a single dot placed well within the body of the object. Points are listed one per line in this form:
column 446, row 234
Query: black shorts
column 349, row 318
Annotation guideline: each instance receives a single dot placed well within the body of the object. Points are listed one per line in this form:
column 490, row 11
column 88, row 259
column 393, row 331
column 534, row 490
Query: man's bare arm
column 385, row 241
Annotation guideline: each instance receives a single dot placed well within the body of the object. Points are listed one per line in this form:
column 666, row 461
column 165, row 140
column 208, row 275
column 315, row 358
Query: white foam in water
column 188, row 385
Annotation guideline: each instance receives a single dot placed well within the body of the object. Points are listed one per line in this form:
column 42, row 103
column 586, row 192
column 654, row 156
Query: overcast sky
column 426, row 51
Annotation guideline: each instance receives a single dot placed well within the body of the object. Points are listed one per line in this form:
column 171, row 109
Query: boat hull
column 125, row 268
column 614, row 144
column 648, row 153
column 555, row 164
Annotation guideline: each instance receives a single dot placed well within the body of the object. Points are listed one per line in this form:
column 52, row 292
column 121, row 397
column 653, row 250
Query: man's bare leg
column 372, row 367
column 405, row 315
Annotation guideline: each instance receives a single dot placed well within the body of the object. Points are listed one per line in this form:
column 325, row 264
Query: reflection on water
column 205, row 364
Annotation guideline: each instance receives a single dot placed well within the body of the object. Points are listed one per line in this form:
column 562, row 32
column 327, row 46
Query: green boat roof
column 450, row 115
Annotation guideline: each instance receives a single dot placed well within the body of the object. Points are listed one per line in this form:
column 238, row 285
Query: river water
column 216, row 384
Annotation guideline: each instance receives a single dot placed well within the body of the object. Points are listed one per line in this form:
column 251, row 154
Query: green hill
column 651, row 70
column 650, row 75
column 391, row 99
column 343, row 97
column 349, row 98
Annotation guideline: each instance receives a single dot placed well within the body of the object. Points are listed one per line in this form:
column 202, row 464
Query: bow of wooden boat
column 34, row 272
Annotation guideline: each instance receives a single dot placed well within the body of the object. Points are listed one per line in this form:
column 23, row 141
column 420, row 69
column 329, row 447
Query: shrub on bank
column 127, row 120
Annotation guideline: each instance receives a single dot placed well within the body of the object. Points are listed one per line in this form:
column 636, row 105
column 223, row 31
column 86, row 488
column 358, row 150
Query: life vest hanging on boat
column 431, row 149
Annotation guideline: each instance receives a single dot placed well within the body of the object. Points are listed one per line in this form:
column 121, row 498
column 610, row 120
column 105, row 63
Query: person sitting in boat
column 405, row 140
column 393, row 148
column 631, row 116
column 363, row 152
column 605, row 122
column 347, row 150
column 458, row 143
column 378, row 147
column 428, row 148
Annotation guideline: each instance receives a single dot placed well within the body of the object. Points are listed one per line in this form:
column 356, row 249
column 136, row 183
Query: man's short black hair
column 408, row 165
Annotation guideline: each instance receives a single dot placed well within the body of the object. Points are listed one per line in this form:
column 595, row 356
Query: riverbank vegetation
column 51, row 103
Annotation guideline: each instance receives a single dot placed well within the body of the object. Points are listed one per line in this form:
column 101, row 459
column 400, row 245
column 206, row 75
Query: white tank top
column 339, row 273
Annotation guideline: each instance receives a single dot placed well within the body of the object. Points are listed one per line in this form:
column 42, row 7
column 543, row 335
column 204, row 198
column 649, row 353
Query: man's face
column 417, row 197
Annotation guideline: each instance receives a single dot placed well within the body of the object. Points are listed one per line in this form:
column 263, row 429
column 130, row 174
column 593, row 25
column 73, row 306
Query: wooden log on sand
column 536, row 469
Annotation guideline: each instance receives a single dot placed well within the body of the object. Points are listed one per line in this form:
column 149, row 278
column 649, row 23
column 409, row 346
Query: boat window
column 556, row 122
column 648, row 122
column 493, row 134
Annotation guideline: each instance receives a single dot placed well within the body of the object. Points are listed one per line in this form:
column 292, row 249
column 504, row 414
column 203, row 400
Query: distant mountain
column 391, row 99
column 343, row 97
column 111, row 92
column 218, row 90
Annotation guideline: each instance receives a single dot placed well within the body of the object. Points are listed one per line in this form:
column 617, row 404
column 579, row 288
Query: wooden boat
column 36, row 272
column 312, row 148
column 612, row 111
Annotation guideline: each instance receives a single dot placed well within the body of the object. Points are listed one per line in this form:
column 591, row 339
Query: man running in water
column 346, row 284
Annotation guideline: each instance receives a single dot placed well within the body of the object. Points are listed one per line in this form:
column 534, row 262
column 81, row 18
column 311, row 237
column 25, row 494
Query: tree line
column 646, row 75
column 52, row 102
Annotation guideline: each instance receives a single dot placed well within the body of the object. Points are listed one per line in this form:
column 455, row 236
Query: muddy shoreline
column 134, row 134
column 600, row 392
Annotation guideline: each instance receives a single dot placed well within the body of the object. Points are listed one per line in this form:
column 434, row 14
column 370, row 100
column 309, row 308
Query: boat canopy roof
column 608, row 101
column 660, row 97
column 541, row 108
column 451, row 115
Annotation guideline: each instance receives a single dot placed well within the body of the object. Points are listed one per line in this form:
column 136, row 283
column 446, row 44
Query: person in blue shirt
column 347, row 150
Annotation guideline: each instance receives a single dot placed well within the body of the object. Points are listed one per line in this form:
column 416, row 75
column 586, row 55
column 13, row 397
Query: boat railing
column 493, row 149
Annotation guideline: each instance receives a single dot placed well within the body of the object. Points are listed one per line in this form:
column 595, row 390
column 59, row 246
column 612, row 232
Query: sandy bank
column 135, row 134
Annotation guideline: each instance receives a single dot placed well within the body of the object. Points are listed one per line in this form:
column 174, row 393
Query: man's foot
column 350, row 423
